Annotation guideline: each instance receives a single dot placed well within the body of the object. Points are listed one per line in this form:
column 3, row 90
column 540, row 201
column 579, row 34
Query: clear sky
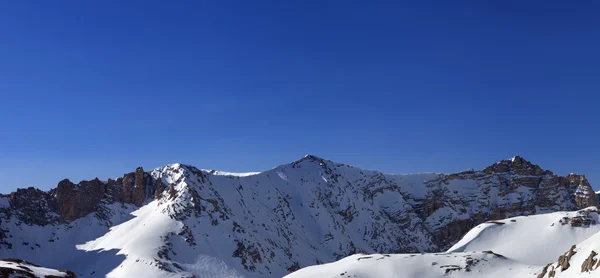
column 96, row 88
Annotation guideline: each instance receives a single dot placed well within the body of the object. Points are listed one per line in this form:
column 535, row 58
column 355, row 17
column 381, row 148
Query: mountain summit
column 181, row 221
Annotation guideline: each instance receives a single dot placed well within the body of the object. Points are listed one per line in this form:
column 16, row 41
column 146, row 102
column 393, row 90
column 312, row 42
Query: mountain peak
column 519, row 160
column 312, row 157
column 308, row 157
column 517, row 165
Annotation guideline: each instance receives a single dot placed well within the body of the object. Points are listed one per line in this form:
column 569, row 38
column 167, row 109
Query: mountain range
column 182, row 221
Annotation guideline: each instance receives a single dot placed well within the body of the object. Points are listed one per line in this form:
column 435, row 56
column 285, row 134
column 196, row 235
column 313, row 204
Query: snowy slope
column 581, row 260
column 18, row 268
column 180, row 221
column 472, row 264
column 55, row 245
column 536, row 239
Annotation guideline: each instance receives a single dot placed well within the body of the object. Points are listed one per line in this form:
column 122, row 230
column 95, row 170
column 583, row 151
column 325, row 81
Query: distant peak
column 517, row 159
column 311, row 156
column 308, row 157
column 515, row 164
column 175, row 165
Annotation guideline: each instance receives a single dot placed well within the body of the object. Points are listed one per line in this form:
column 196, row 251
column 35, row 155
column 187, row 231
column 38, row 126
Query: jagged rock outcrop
column 545, row 270
column 590, row 262
column 70, row 201
column 32, row 205
column 137, row 187
column 78, row 200
column 564, row 260
column 585, row 195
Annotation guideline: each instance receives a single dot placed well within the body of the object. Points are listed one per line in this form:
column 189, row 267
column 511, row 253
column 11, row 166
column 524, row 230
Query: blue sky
column 96, row 88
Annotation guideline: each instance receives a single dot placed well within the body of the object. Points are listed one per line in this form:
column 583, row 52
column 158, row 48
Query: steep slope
column 179, row 221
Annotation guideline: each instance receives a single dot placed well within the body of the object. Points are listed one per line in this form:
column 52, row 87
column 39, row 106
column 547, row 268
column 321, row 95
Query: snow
column 35, row 270
column 535, row 239
column 282, row 175
column 139, row 240
column 419, row 266
column 54, row 245
column 210, row 267
column 224, row 173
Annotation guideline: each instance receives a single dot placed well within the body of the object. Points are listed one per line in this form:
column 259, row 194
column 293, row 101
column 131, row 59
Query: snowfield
column 471, row 264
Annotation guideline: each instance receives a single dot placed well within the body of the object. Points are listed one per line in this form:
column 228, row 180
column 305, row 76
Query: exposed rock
column 159, row 187
column 585, row 195
column 505, row 179
column 544, row 271
column 582, row 219
column 172, row 192
column 78, row 200
column 563, row 260
column 517, row 165
column 138, row 194
column 552, row 272
column 33, row 206
column 589, row 263
column 135, row 187
column 492, row 253
column 128, row 181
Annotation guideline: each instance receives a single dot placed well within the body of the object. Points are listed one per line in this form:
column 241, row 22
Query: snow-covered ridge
column 18, row 268
column 180, row 221
column 223, row 173
column 436, row 265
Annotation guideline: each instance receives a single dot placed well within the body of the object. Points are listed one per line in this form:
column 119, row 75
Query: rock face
column 135, row 187
column 564, row 260
column 78, row 200
column 32, row 205
column 310, row 211
column 70, row 201
column 589, row 263
column 584, row 196
column 505, row 189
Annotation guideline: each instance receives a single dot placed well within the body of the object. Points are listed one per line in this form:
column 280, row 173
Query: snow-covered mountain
column 180, row 221
column 514, row 247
